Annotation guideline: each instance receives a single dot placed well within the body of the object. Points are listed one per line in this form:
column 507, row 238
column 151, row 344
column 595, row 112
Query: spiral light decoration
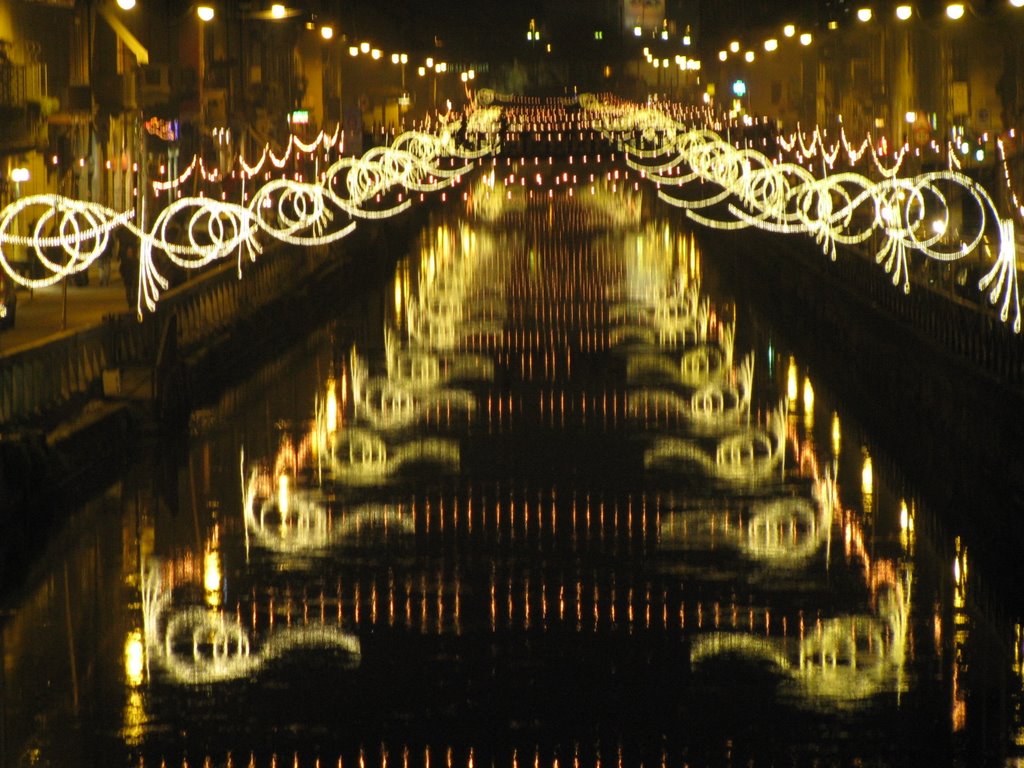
column 910, row 214
column 65, row 236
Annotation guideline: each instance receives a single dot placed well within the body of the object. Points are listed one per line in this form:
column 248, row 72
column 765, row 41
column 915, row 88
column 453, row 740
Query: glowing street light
column 1017, row 3
column 955, row 11
column 771, row 44
column 205, row 12
column 364, row 47
column 789, row 30
column 749, row 57
column 904, row 12
column 722, row 55
column 376, row 53
column 278, row 11
column 327, row 32
column 125, row 5
column 353, row 50
column 805, row 38
column 734, row 46
column 865, row 14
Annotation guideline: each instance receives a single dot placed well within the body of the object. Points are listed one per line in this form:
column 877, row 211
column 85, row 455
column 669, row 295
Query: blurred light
column 805, row 38
column 864, row 14
column 212, row 577
column 205, row 12
column 833, row 25
column 749, row 56
column 771, row 44
column 1017, row 3
column 430, row 62
column 326, row 31
column 421, row 71
column 979, row 154
column 789, row 30
column 664, row 34
column 637, row 31
column 394, row 58
column 955, row 11
column 376, row 54
column 404, row 58
column 939, row 227
column 687, row 40
column 134, row 658
column 722, row 55
column 911, row 117
column 904, row 12
column 125, row 5
column 867, row 477
column 463, row 77
column 734, row 46
column 353, row 50
column 472, row 74
column 277, row 10
column 19, row 174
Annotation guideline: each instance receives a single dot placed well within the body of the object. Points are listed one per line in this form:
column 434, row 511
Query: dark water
column 551, row 497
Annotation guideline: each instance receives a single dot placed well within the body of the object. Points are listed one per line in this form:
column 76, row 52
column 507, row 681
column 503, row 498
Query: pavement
column 39, row 315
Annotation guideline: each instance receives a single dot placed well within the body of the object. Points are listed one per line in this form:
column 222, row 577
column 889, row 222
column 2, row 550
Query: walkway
column 39, row 312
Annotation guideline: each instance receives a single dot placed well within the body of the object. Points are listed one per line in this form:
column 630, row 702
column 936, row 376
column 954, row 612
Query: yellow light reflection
column 212, row 577
column 836, row 435
column 791, row 382
column 134, row 658
column 332, row 406
column 283, row 496
column 808, row 403
column 906, row 525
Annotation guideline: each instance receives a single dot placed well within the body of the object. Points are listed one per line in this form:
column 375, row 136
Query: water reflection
column 554, row 499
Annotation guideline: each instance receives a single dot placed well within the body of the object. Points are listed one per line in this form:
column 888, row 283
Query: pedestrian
column 130, row 271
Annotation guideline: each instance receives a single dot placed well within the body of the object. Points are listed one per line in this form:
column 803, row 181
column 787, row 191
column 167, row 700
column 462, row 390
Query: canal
column 554, row 494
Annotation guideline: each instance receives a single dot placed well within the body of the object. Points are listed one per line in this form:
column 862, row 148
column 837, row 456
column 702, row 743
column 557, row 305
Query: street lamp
column 205, row 12
column 805, row 38
column 864, row 14
column 771, row 44
column 904, row 12
column 125, row 5
column 955, row 11
column 327, row 32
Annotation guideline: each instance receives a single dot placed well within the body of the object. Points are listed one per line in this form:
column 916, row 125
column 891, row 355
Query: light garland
column 911, row 214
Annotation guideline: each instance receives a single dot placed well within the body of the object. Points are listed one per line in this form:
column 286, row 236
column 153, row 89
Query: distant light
column 463, row 77
column 125, row 5
column 965, row 148
column 299, row 117
column 637, row 31
column 833, row 25
column 739, row 89
column 911, row 117
column 472, row 74
column 904, row 12
column 326, row 31
column 395, row 58
column 421, row 71
column 771, row 44
column 277, row 10
column 19, row 174
column 707, row 97
column 403, row 58
column 376, row 54
column 805, row 38
column 1017, row 3
column 430, row 62
column 749, row 56
column 722, row 55
column 864, row 14
column 688, row 41
column 955, row 11
column 979, row 154
column 657, row 63
column 205, row 12
column 789, row 30
column 734, row 46
column 353, row 50
column 664, row 34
